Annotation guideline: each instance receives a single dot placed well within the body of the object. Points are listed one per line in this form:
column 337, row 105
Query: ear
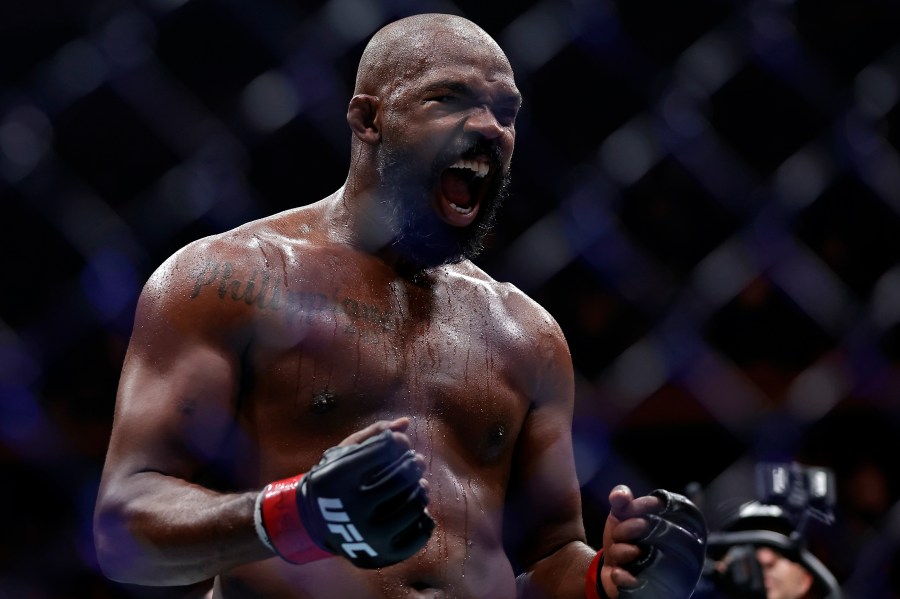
column 364, row 118
column 805, row 583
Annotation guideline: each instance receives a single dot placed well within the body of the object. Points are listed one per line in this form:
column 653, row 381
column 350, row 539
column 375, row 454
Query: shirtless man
column 359, row 323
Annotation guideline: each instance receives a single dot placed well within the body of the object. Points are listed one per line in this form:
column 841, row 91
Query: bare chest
column 327, row 360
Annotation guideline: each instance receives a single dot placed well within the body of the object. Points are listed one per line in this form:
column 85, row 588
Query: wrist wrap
column 593, row 587
column 279, row 525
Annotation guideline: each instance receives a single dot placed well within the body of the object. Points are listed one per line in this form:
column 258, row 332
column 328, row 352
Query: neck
column 360, row 221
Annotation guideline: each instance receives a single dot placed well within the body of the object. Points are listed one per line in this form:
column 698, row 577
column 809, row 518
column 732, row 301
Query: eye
column 507, row 117
column 443, row 99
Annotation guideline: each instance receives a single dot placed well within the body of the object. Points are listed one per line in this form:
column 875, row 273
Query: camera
column 802, row 491
column 789, row 496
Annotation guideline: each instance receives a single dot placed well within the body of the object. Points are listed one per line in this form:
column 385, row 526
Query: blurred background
column 706, row 195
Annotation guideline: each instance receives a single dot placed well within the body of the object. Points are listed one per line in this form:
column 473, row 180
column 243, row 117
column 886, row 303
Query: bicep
column 545, row 494
column 177, row 393
column 170, row 419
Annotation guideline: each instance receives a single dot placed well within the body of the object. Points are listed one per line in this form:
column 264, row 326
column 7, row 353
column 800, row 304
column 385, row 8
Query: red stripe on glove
column 593, row 588
column 284, row 526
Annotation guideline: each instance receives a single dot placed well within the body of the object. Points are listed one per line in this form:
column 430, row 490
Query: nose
column 766, row 556
column 484, row 122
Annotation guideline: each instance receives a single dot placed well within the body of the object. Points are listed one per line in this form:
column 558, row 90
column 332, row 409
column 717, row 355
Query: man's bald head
column 434, row 96
column 404, row 48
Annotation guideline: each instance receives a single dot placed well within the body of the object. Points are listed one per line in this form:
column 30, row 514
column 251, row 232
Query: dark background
column 706, row 196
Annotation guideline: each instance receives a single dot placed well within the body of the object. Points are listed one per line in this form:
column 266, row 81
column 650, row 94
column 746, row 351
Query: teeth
column 481, row 169
column 460, row 209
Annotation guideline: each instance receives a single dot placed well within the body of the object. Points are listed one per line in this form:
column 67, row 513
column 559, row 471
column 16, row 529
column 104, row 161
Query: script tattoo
column 262, row 290
column 236, row 289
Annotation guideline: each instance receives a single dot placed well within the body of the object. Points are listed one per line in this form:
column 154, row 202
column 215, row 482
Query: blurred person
column 767, row 561
column 783, row 577
column 335, row 402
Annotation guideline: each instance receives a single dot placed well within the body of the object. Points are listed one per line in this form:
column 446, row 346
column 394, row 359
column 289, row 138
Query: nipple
column 324, row 401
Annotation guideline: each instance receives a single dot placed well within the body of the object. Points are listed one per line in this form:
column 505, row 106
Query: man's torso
column 332, row 341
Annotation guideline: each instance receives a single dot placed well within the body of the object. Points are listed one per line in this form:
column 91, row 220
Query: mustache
column 466, row 149
column 483, row 146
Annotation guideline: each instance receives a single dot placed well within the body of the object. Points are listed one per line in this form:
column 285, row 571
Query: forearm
column 560, row 575
column 158, row 530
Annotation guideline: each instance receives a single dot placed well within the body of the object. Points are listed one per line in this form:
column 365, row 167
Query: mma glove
column 673, row 553
column 743, row 575
column 363, row 502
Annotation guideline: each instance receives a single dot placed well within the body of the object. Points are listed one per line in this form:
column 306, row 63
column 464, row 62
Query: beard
column 420, row 238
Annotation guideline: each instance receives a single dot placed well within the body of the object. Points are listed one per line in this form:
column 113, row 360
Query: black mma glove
column 743, row 576
column 674, row 551
column 363, row 502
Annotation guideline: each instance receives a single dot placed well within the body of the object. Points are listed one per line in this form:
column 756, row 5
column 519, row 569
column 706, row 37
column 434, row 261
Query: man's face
column 422, row 236
column 784, row 579
column 447, row 141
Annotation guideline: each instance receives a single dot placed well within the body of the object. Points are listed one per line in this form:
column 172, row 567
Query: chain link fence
column 706, row 195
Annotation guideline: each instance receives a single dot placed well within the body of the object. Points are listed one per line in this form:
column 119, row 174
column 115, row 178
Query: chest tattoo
column 263, row 291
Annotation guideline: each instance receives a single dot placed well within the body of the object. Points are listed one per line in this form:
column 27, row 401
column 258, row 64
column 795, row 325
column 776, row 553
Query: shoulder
column 202, row 281
column 538, row 340
column 258, row 244
column 195, row 265
column 514, row 303
column 535, row 342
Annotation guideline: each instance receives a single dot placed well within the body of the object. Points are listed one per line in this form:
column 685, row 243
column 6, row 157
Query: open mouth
column 462, row 187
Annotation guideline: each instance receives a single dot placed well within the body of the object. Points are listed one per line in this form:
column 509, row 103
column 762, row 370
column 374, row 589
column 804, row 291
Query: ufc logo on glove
column 332, row 511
